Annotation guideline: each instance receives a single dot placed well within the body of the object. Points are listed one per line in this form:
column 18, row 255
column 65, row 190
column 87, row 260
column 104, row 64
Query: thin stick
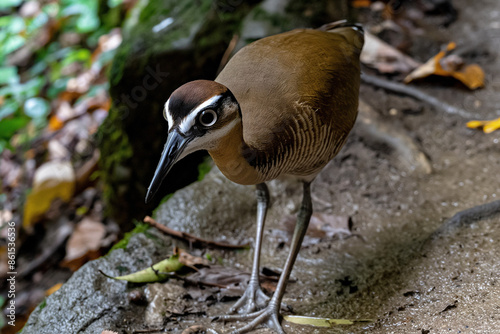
column 475, row 213
column 190, row 237
column 469, row 216
column 417, row 94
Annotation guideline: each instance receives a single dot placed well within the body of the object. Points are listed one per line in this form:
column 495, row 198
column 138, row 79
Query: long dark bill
column 173, row 148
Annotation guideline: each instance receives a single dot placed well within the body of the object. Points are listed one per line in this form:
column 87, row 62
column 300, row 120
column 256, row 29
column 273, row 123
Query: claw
column 268, row 316
column 252, row 300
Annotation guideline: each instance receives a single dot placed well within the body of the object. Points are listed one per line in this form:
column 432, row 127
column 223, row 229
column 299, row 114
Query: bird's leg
column 270, row 315
column 253, row 298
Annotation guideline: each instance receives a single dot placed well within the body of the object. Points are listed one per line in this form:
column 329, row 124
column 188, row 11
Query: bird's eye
column 208, row 117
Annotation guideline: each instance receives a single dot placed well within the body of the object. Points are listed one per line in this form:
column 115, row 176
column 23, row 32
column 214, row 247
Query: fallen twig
column 192, row 239
column 417, row 94
column 475, row 213
column 151, row 330
column 469, row 216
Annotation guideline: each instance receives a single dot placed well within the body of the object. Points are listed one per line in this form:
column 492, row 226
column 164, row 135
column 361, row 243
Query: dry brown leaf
column 321, row 226
column 231, row 281
column 84, row 173
column 191, row 260
column 107, row 42
column 385, row 58
column 82, row 83
column 52, row 180
column 471, row 75
column 361, row 3
column 11, row 173
column 447, row 64
column 108, row 332
column 327, row 225
column 195, row 329
column 84, row 244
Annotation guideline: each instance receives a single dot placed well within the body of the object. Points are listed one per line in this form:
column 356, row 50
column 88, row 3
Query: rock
column 90, row 302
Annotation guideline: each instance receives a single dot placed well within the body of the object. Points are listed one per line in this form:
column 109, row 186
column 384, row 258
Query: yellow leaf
column 475, row 124
column 55, row 123
column 53, row 289
column 488, row 126
column 491, row 126
column 52, row 180
column 321, row 322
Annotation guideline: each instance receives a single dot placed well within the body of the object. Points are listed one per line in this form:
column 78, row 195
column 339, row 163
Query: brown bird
column 283, row 105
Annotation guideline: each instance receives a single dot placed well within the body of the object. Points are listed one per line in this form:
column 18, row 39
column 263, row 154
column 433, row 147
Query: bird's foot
column 252, row 300
column 268, row 317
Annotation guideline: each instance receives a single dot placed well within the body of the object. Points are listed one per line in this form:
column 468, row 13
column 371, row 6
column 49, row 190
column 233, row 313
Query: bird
column 282, row 106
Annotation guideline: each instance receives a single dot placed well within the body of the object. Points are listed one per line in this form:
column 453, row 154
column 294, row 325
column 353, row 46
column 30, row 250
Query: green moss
column 43, row 304
column 140, row 42
column 116, row 70
column 122, row 244
column 116, row 150
column 204, row 168
column 165, row 199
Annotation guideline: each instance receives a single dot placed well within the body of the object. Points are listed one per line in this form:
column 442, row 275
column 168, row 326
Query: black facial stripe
column 180, row 108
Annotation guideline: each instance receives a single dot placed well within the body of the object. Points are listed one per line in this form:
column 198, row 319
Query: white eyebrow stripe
column 188, row 122
column 170, row 120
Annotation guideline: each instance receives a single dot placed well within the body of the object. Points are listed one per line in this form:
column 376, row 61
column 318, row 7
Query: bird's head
column 199, row 114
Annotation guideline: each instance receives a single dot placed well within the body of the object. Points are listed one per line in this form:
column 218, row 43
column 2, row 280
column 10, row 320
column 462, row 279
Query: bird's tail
column 353, row 32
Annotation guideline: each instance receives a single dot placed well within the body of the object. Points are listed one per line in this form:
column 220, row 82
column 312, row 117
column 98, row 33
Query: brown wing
column 298, row 89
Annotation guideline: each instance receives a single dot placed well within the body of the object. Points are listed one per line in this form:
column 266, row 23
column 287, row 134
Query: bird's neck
column 232, row 156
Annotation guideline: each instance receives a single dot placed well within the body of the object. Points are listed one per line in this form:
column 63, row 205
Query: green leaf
column 12, row 44
column 157, row 272
column 79, row 55
column 12, row 24
column 36, row 107
column 114, row 3
column 38, row 68
column 8, row 75
column 322, row 322
column 16, row 25
column 52, row 9
column 86, row 12
column 26, row 90
column 8, row 108
column 9, row 126
column 6, row 4
column 37, row 22
column 58, row 86
column 87, row 23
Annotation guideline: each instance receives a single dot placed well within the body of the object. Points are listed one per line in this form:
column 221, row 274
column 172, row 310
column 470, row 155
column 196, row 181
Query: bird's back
column 298, row 93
